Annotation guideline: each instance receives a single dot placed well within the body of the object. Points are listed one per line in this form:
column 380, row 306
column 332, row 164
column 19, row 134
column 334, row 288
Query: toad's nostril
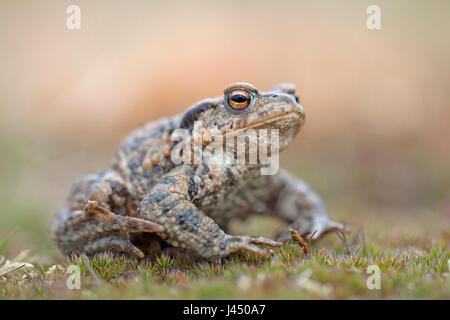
column 301, row 111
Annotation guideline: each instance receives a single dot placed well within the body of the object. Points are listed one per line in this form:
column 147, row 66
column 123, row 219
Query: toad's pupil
column 239, row 98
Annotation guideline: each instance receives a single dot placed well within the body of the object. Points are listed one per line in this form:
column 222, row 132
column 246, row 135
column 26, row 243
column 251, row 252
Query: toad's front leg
column 169, row 204
column 295, row 202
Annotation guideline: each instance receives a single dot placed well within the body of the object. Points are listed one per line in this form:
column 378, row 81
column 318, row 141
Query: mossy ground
column 411, row 265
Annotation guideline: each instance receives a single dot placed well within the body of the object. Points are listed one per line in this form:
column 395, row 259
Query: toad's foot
column 248, row 243
column 315, row 229
column 116, row 229
column 122, row 224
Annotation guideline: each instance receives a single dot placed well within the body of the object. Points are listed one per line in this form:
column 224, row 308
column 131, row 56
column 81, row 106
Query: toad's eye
column 238, row 99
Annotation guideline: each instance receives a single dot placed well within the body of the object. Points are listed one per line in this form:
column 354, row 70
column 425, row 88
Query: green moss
column 289, row 274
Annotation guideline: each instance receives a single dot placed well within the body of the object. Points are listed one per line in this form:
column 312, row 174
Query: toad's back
column 144, row 156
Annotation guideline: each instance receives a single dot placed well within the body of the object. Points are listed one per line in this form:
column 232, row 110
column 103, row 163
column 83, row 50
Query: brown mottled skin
column 146, row 199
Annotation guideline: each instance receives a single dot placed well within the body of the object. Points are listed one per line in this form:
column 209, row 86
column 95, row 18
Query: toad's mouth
column 287, row 124
column 283, row 122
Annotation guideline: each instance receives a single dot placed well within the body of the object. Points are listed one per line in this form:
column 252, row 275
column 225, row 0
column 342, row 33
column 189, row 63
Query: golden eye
column 239, row 99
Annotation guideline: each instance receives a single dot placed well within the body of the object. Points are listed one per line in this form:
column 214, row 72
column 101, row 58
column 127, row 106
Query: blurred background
column 376, row 140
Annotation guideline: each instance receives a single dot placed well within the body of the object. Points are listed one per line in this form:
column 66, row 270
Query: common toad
column 146, row 197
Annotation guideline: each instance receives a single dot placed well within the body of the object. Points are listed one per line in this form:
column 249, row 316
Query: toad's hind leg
column 90, row 227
